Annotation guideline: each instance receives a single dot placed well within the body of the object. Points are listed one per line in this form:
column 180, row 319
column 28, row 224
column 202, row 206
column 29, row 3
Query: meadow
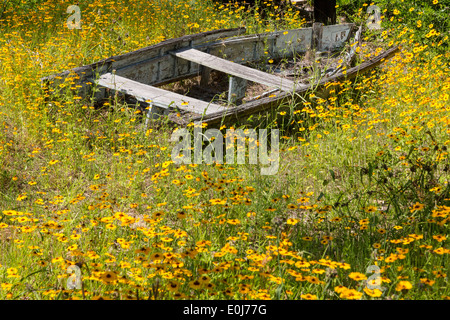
column 359, row 208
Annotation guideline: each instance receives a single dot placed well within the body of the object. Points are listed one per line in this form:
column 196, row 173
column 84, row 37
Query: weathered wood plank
column 353, row 48
column 252, row 48
column 266, row 103
column 158, row 97
column 241, row 49
column 292, row 42
column 235, row 69
column 334, row 37
column 236, row 90
column 316, row 42
column 205, row 76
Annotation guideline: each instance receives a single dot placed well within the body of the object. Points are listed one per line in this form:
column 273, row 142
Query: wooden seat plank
column 236, row 69
column 157, row 96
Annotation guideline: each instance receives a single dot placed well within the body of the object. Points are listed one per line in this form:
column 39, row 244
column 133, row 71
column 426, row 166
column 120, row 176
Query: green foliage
column 422, row 17
column 411, row 178
column 18, row 5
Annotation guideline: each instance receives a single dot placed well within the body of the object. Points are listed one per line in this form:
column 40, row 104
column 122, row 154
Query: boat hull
column 164, row 63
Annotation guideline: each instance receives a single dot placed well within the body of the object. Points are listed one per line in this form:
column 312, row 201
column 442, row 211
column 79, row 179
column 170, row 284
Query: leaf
column 321, row 195
column 361, row 174
column 370, row 173
column 332, row 174
column 278, row 291
column 345, row 162
column 29, row 275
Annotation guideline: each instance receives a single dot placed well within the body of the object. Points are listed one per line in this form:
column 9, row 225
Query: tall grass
column 362, row 184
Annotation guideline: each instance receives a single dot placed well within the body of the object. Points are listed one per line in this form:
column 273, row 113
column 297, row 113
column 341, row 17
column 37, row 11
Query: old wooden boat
column 143, row 75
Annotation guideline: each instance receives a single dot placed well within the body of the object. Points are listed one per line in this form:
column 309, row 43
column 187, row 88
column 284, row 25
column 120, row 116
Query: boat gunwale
column 230, row 39
column 173, row 41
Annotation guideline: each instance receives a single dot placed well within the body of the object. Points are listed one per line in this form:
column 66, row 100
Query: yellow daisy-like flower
column 109, row 277
column 351, row 294
column 75, row 236
column 403, row 285
column 173, row 286
column 21, row 197
column 195, row 284
column 439, row 238
column 439, row 250
column 156, row 256
column 427, row 281
column 357, row 276
column 204, row 279
column 100, row 298
column 42, row 263
column 370, row 209
column 375, row 293
column 233, row 221
column 416, row 207
column 308, row 296
column 111, row 226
